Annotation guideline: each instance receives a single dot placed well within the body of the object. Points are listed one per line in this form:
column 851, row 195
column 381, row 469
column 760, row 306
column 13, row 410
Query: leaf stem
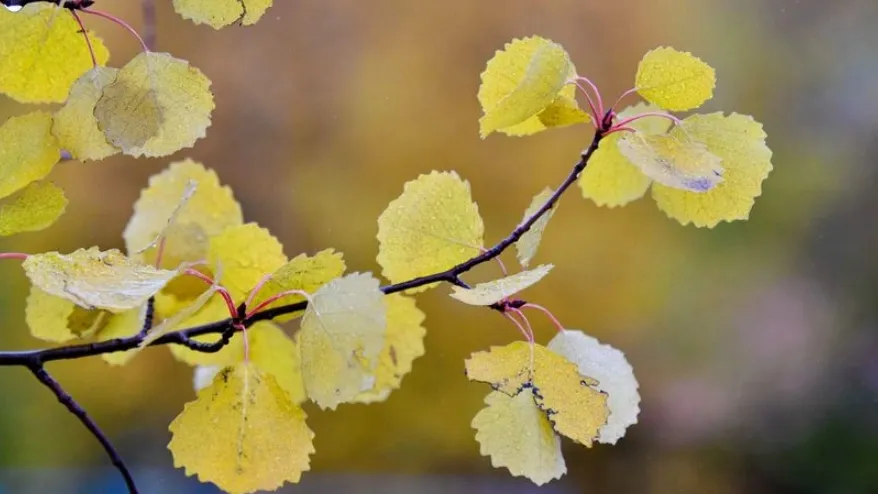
column 627, row 121
column 13, row 255
column 623, row 96
column 595, row 115
column 255, row 291
column 274, row 298
column 116, row 20
column 91, row 51
column 499, row 262
column 230, row 304
column 597, row 95
column 548, row 314
column 525, row 321
column 620, row 129
column 528, row 336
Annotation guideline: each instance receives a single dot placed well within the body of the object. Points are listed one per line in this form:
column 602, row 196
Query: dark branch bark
column 148, row 317
column 74, row 408
column 35, row 359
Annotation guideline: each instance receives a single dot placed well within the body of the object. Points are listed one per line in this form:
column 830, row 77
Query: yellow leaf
column 188, row 192
column 301, row 273
column 497, row 290
column 340, row 339
column 123, row 325
column 433, row 226
column 179, row 293
column 56, row 319
column 213, row 311
column 273, row 352
column 674, row 160
column 528, row 244
column 215, row 13
column 562, row 112
column 221, row 13
column 614, row 374
column 254, row 10
column 740, row 142
column 34, row 208
column 42, row 52
column 242, row 433
column 574, row 408
column 246, row 253
column 507, row 368
column 521, row 81
column 610, row 179
column 94, row 279
column 403, row 343
column 211, row 209
column 516, row 434
column 157, row 106
column 75, row 125
column 28, row 150
column 674, row 80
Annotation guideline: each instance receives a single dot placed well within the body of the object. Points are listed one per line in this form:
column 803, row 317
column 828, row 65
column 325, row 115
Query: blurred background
column 755, row 343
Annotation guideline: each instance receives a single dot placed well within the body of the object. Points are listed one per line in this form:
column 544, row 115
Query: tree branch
column 227, row 326
column 148, row 317
column 35, row 359
column 496, row 250
column 65, row 399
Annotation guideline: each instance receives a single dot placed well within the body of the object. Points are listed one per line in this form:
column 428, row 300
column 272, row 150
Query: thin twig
column 199, row 346
column 65, row 399
column 148, row 317
column 513, row 237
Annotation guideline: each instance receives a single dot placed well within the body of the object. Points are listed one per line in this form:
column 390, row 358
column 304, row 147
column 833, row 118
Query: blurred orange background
column 755, row 343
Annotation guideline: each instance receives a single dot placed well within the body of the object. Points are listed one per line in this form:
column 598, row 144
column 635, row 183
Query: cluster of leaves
column 575, row 387
column 191, row 260
column 704, row 169
column 353, row 345
column 154, row 105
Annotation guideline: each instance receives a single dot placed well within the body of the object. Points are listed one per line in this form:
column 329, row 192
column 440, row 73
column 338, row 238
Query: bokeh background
column 755, row 343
